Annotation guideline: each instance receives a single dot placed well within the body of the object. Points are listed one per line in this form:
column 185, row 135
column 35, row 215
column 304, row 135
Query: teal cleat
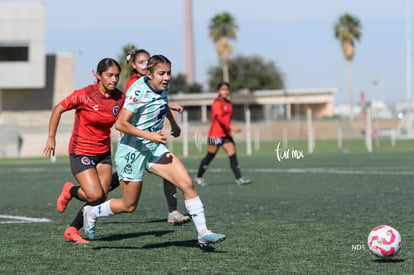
column 210, row 238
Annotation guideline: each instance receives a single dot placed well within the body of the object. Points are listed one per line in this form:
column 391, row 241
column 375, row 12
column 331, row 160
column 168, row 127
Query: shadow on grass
column 117, row 237
column 148, row 221
column 185, row 243
column 389, row 260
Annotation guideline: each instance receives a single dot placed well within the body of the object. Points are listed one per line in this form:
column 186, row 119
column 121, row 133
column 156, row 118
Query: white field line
column 21, row 219
column 348, row 171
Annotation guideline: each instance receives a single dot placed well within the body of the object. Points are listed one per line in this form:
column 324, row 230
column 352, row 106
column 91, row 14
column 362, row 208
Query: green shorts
column 131, row 164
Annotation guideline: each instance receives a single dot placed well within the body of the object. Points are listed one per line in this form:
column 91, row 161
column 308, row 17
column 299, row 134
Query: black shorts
column 79, row 163
column 218, row 141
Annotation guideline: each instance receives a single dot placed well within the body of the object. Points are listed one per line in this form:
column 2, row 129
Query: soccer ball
column 384, row 241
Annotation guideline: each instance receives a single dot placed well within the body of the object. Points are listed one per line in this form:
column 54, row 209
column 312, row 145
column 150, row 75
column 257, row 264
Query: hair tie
column 130, row 54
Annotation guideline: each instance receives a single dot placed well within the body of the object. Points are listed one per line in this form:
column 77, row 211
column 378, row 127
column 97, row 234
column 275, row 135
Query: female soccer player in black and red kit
column 220, row 135
column 97, row 108
column 71, row 234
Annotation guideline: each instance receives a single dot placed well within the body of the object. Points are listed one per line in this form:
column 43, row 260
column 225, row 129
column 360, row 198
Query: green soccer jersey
column 149, row 108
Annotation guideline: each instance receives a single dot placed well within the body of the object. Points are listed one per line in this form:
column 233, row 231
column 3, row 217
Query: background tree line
column 247, row 72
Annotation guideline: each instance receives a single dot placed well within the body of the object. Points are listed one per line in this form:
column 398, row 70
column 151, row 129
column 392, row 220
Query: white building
column 31, row 82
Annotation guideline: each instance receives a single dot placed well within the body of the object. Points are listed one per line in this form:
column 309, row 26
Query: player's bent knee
column 95, row 199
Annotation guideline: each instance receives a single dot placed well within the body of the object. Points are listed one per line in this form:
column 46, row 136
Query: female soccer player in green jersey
column 142, row 147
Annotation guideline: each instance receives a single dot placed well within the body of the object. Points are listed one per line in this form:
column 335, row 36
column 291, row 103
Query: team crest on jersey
column 115, row 110
column 86, row 161
column 128, row 169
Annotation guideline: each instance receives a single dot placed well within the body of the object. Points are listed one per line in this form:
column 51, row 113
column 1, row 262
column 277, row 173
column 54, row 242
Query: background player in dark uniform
column 220, row 135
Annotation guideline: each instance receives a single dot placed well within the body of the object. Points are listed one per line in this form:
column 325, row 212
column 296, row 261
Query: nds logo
column 358, row 247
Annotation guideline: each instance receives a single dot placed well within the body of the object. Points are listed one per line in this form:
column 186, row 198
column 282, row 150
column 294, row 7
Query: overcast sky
column 297, row 35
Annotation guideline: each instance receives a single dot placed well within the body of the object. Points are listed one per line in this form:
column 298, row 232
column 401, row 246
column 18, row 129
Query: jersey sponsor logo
column 95, row 107
column 134, row 99
column 115, row 110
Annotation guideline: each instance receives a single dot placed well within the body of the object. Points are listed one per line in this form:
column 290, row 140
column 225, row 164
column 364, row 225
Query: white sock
column 196, row 210
column 102, row 210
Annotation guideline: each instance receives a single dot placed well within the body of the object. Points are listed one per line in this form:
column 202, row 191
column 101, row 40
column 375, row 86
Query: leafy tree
column 179, row 84
column 252, row 73
column 222, row 28
column 347, row 30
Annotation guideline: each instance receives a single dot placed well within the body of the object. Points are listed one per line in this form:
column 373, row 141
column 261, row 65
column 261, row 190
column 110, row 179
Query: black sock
column 204, row 164
column 170, row 192
column 78, row 220
column 114, row 182
column 235, row 166
column 74, row 192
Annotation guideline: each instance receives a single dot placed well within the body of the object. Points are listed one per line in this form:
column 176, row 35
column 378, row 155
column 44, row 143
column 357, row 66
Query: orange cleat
column 64, row 197
column 73, row 235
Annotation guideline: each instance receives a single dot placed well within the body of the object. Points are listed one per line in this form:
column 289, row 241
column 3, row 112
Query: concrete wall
column 60, row 82
column 23, row 24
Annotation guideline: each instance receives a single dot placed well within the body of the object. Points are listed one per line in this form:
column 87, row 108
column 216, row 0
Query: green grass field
column 307, row 215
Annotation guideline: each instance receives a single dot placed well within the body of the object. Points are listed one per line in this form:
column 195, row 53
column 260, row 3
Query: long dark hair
column 222, row 84
column 105, row 63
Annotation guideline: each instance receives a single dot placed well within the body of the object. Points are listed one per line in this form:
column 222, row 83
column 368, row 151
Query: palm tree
column 347, row 30
column 222, row 28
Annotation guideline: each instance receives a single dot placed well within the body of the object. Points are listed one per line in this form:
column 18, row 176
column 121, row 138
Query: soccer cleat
column 89, row 222
column 176, row 217
column 72, row 234
column 200, row 181
column 64, row 197
column 210, row 238
column 243, row 181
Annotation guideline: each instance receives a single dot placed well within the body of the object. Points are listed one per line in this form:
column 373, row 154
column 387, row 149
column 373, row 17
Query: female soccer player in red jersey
column 220, row 135
column 97, row 108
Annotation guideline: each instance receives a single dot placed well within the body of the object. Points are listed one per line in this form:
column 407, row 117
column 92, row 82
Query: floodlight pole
column 1, row 106
column 408, row 49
